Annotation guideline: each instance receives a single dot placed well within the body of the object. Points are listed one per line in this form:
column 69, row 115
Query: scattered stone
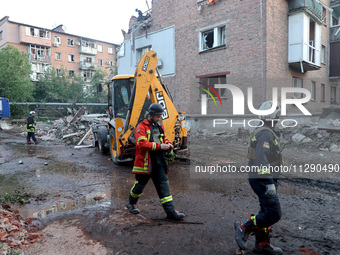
column 20, row 162
column 46, row 163
column 298, row 137
column 306, row 140
column 334, row 148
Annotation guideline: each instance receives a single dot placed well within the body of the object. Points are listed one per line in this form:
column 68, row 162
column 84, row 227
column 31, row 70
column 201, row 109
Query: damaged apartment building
column 54, row 47
column 262, row 44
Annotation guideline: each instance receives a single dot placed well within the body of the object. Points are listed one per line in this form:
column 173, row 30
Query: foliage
column 62, row 87
column 15, row 83
column 16, row 197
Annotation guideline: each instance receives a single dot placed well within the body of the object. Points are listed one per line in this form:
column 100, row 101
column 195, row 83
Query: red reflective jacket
column 143, row 146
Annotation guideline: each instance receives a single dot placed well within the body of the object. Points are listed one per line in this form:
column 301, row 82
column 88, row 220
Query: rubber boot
column 242, row 231
column 262, row 243
column 175, row 215
column 132, row 208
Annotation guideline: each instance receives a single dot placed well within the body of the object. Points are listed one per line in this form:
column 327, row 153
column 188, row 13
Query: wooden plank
column 73, row 134
column 87, row 133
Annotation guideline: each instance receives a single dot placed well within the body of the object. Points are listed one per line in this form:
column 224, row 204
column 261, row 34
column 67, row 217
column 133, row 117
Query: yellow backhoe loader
column 131, row 97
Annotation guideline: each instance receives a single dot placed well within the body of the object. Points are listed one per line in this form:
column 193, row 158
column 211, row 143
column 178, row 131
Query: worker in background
column 151, row 144
column 264, row 151
column 110, row 112
column 30, row 128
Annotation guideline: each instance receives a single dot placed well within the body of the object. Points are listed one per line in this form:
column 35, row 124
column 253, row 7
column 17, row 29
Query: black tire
column 113, row 146
column 102, row 140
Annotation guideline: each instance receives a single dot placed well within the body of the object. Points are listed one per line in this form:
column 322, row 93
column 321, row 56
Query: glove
column 169, row 156
column 270, row 190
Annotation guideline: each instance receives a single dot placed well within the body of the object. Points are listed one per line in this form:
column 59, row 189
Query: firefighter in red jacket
column 151, row 144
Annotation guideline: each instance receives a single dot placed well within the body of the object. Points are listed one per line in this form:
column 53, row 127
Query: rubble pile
column 74, row 130
column 15, row 233
column 324, row 136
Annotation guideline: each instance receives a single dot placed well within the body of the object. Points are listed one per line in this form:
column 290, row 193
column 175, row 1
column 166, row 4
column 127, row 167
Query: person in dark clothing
column 264, row 155
column 30, row 128
column 150, row 163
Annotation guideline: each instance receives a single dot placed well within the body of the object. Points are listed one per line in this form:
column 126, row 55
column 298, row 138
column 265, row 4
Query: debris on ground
column 15, row 233
column 73, row 130
column 323, row 135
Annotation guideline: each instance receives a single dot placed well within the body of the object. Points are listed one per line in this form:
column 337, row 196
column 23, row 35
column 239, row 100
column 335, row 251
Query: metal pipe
column 40, row 103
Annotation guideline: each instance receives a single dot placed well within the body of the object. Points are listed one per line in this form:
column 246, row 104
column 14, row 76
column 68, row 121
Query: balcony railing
column 311, row 6
column 88, row 50
column 87, row 65
column 39, row 58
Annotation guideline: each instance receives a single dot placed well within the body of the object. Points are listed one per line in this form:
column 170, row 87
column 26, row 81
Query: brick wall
column 256, row 54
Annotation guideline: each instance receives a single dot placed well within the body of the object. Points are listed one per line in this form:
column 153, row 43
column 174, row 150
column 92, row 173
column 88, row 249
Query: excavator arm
column 148, row 85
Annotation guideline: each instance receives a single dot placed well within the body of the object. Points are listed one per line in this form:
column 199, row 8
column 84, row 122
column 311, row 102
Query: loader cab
column 121, row 93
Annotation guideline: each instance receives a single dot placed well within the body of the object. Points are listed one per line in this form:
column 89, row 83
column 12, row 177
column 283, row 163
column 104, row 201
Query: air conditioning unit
column 56, row 45
column 159, row 63
column 78, row 43
column 108, row 62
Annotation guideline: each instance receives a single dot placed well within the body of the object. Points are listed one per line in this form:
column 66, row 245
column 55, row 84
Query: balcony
column 88, row 50
column 312, row 7
column 304, row 42
column 87, row 65
column 335, row 34
column 39, row 58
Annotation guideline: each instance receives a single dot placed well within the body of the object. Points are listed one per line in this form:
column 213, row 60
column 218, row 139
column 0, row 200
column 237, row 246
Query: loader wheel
column 102, row 140
column 113, row 146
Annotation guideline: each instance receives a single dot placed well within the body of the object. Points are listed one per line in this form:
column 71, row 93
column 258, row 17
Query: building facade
column 53, row 47
column 258, row 44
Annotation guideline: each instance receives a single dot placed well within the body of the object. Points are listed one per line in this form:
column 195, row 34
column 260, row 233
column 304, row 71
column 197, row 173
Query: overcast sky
column 97, row 19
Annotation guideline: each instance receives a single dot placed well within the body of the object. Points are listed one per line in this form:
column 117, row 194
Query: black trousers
column 161, row 182
column 29, row 135
column 270, row 211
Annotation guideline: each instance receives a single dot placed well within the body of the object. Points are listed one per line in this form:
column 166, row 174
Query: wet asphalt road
column 85, row 186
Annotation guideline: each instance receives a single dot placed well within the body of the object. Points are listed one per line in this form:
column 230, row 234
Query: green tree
column 15, row 68
column 63, row 88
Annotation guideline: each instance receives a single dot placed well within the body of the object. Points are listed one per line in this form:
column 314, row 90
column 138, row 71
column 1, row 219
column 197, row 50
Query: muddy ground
column 79, row 196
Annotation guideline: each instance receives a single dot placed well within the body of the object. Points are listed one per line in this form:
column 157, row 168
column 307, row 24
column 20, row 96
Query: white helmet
column 267, row 105
column 32, row 112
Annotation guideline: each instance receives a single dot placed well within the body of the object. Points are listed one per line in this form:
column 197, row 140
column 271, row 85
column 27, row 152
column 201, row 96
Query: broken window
column 87, row 75
column 32, row 31
column 297, row 83
column 100, row 62
column 208, row 39
column 58, row 55
column 57, row 40
column 100, row 48
column 213, row 37
column 58, row 72
column 88, row 44
column 71, row 58
column 140, row 52
column 71, row 73
column 70, row 42
column 42, row 34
